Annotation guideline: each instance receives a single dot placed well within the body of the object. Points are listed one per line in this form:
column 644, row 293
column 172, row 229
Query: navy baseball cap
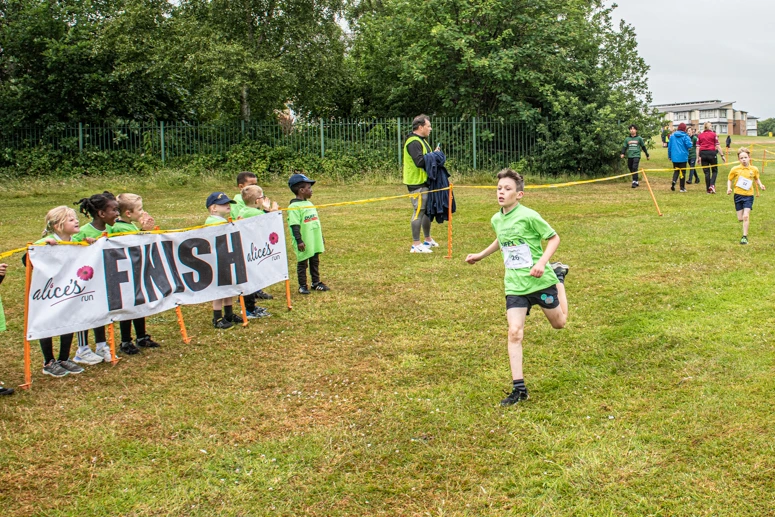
column 299, row 178
column 218, row 198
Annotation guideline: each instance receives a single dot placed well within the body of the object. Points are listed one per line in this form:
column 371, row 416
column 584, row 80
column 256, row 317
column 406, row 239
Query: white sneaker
column 430, row 244
column 104, row 354
column 87, row 357
column 420, row 249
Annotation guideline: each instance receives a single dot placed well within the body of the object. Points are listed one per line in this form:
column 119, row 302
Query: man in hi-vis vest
column 416, row 147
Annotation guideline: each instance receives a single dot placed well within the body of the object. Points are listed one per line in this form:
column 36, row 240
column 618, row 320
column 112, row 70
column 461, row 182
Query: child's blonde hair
column 707, row 126
column 743, row 150
column 251, row 193
column 128, row 202
column 56, row 217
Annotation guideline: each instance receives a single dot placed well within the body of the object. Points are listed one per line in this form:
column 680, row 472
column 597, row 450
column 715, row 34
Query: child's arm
column 551, row 246
column 147, row 222
column 759, row 181
column 296, row 231
column 729, row 186
column 3, row 269
column 473, row 258
column 645, row 150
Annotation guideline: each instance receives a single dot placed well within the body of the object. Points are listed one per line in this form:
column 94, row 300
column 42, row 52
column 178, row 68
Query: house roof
column 697, row 105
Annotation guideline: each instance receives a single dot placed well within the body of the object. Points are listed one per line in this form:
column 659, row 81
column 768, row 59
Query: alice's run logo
column 310, row 218
column 71, row 291
column 260, row 254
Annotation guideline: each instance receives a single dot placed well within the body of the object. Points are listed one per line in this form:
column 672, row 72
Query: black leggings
column 633, row 164
column 126, row 329
column 314, row 270
column 709, row 158
column 680, row 170
column 47, row 347
column 99, row 336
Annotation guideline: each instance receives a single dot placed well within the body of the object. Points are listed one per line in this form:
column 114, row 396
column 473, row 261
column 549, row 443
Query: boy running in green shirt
column 307, row 234
column 632, row 146
column 519, row 233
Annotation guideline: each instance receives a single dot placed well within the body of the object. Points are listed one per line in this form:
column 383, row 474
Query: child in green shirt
column 631, row 149
column 103, row 210
column 519, row 233
column 219, row 206
column 130, row 208
column 246, row 179
column 307, row 234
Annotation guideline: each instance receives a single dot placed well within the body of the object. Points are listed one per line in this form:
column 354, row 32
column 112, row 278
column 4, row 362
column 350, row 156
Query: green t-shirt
column 90, row 231
column 520, row 233
column 238, row 207
column 52, row 236
column 632, row 147
column 306, row 216
column 214, row 219
column 2, row 316
column 123, row 227
column 693, row 150
column 249, row 211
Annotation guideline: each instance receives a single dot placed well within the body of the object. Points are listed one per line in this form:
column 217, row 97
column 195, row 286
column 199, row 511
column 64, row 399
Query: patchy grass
column 381, row 396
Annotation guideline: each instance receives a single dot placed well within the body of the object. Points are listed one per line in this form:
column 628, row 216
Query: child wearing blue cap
column 307, row 234
column 219, row 206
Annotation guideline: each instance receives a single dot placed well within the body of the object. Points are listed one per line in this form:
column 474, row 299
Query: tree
column 766, row 126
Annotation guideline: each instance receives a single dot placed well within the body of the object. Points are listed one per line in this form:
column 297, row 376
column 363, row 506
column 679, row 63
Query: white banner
column 126, row 277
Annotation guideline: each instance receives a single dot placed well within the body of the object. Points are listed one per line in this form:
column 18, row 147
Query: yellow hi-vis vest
column 414, row 175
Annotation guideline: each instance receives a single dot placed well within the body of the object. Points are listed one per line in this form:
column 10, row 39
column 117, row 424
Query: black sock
column 227, row 310
column 519, row 385
column 217, row 315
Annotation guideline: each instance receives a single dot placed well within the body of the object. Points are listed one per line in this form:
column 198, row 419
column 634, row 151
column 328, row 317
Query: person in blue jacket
column 678, row 152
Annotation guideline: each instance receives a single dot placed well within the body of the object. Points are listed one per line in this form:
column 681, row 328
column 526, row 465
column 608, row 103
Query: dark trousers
column 633, row 164
column 47, row 347
column 314, row 270
column 126, row 329
column 99, row 336
column 680, row 172
column 710, row 166
column 693, row 171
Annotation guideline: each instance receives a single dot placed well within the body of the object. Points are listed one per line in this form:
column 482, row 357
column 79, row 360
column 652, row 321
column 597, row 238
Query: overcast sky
column 673, row 37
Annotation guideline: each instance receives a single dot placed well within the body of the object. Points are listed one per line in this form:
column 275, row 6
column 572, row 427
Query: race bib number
column 517, row 257
column 744, row 183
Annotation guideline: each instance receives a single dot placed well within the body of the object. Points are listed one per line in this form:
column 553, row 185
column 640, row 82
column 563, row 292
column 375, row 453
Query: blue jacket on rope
column 437, row 206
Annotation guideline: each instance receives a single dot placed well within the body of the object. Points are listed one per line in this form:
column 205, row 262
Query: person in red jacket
column 709, row 147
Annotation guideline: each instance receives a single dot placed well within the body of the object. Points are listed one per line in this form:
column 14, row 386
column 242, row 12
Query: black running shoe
column 560, row 270
column 147, row 342
column 303, row 289
column 672, row 187
column 234, row 318
column 222, row 324
column 261, row 295
column 129, row 348
column 320, row 286
column 514, row 397
column 6, row 391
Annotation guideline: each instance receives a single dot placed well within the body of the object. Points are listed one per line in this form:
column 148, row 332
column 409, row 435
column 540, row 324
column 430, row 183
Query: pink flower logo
column 85, row 273
column 273, row 238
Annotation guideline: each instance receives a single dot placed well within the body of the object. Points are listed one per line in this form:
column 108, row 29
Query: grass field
column 381, row 396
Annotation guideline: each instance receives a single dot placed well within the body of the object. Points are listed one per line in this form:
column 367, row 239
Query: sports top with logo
column 520, row 233
column 743, row 179
column 90, row 231
column 306, row 216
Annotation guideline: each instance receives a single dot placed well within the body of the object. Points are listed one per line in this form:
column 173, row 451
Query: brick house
column 722, row 115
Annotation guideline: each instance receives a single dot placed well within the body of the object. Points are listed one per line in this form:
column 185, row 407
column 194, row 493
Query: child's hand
column 302, row 246
column 762, row 186
column 621, row 156
column 537, row 271
column 729, row 191
column 3, row 269
column 147, row 222
column 473, row 258
column 266, row 204
column 648, row 158
column 51, row 242
column 90, row 240
column 275, row 207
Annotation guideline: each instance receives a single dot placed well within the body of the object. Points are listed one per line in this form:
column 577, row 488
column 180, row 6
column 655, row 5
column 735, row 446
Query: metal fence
column 474, row 143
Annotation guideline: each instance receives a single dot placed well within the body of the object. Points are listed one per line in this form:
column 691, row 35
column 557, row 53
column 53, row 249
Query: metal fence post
column 474, row 119
column 162, row 142
column 400, row 147
column 322, row 144
column 80, row 137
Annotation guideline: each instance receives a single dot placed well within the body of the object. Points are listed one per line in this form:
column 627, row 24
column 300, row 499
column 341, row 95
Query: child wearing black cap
column 219, row 206
column 307, row 234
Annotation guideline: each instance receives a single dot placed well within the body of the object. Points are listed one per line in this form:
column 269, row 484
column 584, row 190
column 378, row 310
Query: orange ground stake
column 182, row 324
column 288, row 294
column 112, row 343
column 651, row 191
column 244, row 311
column 27, row 364
column 449, row 225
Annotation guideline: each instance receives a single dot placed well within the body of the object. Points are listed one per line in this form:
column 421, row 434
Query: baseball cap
column 299, row 178
column 218, row 198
